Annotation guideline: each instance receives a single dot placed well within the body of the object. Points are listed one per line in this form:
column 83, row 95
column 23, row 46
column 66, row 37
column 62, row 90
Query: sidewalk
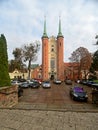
column 63, row 108
column 27, row 116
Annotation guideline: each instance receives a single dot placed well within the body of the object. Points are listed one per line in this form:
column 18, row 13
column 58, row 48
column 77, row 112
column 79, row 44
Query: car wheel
column 73, row 98
column 86, row 100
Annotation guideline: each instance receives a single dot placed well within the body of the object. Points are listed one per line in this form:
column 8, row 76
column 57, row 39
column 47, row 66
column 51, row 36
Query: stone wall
column 8, row 96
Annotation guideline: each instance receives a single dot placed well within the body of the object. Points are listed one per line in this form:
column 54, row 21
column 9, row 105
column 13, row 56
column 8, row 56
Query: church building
column 53, row 55
column 53, row 65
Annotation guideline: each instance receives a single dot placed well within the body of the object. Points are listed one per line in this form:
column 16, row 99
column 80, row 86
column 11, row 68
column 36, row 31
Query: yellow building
column 17, row 74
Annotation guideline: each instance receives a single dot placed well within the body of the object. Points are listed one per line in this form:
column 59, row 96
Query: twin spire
column 59, row 31
column 45, row 33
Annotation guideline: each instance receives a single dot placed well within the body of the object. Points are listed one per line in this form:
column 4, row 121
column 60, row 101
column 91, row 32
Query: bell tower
column 52, row 55
column 60, row 53
column 45, row 64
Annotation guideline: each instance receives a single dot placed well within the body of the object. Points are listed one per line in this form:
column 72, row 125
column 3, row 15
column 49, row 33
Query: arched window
column 52, row 49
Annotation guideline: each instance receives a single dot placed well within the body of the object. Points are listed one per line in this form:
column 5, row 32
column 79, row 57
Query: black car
column 34, row 84
column 95, row 85
column 24, row 85
column 68, row 82
column 78, row 93
column 90, row 83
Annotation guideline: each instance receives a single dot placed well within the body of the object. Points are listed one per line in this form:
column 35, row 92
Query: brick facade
column 60, row 55
column 52, row 55
column 45, row 63
column 53, row 65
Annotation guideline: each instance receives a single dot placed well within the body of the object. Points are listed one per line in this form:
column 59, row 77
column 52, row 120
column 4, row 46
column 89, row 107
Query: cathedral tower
column 45, row 53
column 52, row 55
column 60, row 53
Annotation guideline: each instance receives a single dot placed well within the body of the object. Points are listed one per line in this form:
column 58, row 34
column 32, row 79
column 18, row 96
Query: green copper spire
column 59, row 32
column 45, row 33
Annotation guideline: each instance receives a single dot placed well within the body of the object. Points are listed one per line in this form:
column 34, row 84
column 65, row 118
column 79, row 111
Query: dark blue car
column 78, row 93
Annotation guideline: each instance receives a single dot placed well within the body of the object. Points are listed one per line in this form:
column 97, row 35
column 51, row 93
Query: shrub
column 4, row 74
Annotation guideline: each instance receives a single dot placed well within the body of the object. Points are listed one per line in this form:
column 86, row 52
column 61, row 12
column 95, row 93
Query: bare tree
column 29, row 53
column 83, row 58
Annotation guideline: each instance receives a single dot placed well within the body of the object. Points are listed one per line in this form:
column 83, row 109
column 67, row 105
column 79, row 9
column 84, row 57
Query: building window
column 52, row 63
column 52, row 49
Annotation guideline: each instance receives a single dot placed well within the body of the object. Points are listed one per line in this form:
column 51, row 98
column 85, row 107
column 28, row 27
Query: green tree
column 14, row 64
column 4, row 74
column 94, row 65
column 18, row 54
column 17, row 63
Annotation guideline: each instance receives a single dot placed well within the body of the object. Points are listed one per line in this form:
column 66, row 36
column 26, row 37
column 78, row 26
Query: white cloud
column 22, row 21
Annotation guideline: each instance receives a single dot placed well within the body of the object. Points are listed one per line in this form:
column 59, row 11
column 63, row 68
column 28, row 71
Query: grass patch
column 96, row 81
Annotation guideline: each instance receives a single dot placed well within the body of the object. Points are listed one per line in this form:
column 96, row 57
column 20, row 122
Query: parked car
column 24, row 85
column 34, row 84
column 68, row 82
column 95, row 85
column 83, row 81
column 78, row 93
column 15, row 82
column 46, row 84
column 57, row 81
column 20, row 91
column 90, row 83
column 39, row 80
column 78, row 81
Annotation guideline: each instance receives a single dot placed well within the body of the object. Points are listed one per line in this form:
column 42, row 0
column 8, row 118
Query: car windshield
column 80, row 93
column 78, row 89
column 46, row 82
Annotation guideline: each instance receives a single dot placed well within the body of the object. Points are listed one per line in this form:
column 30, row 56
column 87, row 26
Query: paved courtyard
column 50, row 109
column 55, row 98
column 56, row 95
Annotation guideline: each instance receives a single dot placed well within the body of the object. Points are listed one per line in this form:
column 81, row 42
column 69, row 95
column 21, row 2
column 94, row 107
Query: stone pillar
column 8, row 96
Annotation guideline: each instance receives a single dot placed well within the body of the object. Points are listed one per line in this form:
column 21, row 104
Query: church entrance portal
column 52, row 77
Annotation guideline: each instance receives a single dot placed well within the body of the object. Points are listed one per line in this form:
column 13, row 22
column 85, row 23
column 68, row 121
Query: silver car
column 57, row 81
column 46, row 84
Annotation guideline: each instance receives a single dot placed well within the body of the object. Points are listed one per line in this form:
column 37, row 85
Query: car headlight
column 86, row 95
column 75, row 95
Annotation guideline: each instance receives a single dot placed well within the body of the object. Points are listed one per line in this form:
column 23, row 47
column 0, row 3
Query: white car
column 15, row 82
column 57, row 81
column 46, row 84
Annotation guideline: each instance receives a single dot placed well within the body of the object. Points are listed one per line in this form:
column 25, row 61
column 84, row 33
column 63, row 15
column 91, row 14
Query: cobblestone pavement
column 50, row 109
column 11, row 119
column 56, row 95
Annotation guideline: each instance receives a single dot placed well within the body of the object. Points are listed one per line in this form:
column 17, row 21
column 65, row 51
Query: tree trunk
column 29, row 69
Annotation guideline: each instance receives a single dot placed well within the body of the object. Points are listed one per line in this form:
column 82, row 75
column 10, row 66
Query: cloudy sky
column 21, row 21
